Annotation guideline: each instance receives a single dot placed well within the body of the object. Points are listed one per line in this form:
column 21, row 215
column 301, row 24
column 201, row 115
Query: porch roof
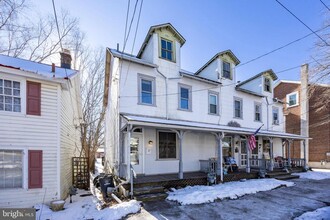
column 199, row 126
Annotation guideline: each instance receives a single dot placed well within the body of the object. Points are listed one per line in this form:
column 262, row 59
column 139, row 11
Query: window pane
column 16, row 92
column 163, row 53
column 293, row 99
column 10, row 169
column 169, row 45
column 167, row 145
column 213, row 99
column 163, row 44
column 1, row 98
column 8, row 99
column 146, row 85
column 146, row 97
column 8, row 91
column 184, row 104
column 135, row 151
column 184, row 93
column 213, row 109
column 8, row 83
column 8, row 107
column 1, row 107
column 17, row 101
column 1, row 82
column 16, row 85
column 1, row 90
column 169, row 55
column 17, row 108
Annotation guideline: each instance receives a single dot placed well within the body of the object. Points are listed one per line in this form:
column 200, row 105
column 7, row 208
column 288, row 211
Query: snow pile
column 232, row 190
column 322, row 213
column 314, row 175
column 85, row 208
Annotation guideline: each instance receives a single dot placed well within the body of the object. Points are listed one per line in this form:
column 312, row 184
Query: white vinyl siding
column 69, row 134
column 28, row 132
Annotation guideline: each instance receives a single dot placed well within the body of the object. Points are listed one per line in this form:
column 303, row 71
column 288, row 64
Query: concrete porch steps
column 281, row 175
column 150, row 193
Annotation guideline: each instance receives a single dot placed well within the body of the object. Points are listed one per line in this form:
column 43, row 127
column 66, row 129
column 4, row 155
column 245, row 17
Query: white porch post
column 180, row 134
column 271, row 167
column 248, row 155
column 129, row 134
column 305, row 155
column 219, row 137
column 289, row 153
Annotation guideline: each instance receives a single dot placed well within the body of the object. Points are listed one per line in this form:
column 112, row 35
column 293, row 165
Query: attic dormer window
column 267, row 86
column 226, row 70
column 167, row 49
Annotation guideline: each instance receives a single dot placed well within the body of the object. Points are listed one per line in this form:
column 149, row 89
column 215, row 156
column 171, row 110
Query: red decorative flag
column 252, row 139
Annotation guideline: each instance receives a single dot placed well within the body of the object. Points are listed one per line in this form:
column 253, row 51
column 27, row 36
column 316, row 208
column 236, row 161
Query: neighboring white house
column 39, row 115
column 162, row 119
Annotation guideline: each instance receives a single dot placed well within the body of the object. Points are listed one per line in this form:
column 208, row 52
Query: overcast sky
column 249, row 28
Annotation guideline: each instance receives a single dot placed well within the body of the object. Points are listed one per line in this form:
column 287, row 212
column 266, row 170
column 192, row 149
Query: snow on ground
column 322, row 213
column 232, row 190
column 85, row 208
column 318, row 174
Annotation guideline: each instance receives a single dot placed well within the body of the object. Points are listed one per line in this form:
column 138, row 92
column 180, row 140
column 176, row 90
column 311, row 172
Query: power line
column 325, row 5
column 58, row 29
column 279, row 48
column 302, row 22
column 129, row 1
column 130, row 26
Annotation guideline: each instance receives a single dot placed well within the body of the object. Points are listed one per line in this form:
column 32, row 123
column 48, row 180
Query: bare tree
column 319, row 75
column 92, row 128
column 39, row 41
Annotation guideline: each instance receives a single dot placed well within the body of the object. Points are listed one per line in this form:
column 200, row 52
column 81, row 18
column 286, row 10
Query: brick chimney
column 66, row 59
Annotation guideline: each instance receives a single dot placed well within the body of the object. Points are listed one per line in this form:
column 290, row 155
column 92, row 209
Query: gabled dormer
column 162, row 44
column 221, row 67
column 261, row 83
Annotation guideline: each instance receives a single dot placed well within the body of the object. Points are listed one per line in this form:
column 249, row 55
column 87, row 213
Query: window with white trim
column 167, row 147
column 292, row 99
column 226, row 73
column 11, row 169
column 275, row 116
column 184, row 97
column 213, row 103
column 146, row 90
column 166, row 49
column 257, row 112
column 10, row 95
column 238, row 107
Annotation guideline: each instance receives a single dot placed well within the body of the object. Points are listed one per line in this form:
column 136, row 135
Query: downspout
column 267, row 112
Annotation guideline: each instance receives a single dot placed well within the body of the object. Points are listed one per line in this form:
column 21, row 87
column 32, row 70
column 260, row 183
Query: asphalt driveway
column 282, row 203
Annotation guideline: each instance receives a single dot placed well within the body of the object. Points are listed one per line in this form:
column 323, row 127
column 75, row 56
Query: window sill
column 213, row 114
column 145, row 104
column 291, row 106
column 185, row 110
column 257, row 121
column 173, row 61
column 169, row 159
column 238, row 118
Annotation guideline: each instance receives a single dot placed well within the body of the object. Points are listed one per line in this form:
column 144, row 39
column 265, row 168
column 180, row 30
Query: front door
column 243, row 157
column 137, row 153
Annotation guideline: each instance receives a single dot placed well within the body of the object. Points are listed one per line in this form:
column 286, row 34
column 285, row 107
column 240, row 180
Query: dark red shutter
column 35, row 169
column 33, row 98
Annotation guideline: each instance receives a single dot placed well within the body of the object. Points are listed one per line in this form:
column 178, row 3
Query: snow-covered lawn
column 322, row 213
column 317, row 174
column 85, row 208
column 232, row 190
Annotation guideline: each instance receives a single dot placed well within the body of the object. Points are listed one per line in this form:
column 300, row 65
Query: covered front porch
column 155, row 147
